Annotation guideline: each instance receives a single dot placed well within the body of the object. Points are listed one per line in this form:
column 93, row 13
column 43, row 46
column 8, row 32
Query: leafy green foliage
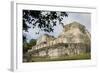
column 45, row 20
column 27, row 46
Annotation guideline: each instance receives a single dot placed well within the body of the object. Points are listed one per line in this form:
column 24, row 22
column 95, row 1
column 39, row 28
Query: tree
column 27, row 46
column 32, row 43
column 44, row 20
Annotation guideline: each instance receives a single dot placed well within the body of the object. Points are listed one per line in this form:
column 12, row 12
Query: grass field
column 61, row 58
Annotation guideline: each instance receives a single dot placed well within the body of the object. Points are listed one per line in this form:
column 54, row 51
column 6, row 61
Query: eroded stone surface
column 75, row 39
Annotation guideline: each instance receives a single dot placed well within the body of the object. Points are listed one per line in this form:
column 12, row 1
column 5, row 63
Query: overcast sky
column 82, row 18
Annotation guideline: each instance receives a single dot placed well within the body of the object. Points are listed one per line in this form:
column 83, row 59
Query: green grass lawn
column 61, row 58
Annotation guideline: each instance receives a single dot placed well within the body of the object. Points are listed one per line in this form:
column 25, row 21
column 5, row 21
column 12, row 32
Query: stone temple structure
column 75, row 39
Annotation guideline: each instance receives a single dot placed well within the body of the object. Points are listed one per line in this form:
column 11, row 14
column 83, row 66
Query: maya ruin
column 74, row 40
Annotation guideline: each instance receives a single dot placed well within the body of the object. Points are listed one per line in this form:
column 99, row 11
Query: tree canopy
column 44, row 20
column 27, row 46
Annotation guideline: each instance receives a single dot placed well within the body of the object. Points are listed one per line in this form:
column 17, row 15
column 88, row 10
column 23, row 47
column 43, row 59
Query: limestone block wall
column 53, row 52
column 42, row 53
column 60, row 50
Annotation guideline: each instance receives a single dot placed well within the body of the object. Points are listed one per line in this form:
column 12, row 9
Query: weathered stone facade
column 61, row 49
column 72, row 41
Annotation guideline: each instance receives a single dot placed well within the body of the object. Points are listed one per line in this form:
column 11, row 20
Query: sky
column 82, row 18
